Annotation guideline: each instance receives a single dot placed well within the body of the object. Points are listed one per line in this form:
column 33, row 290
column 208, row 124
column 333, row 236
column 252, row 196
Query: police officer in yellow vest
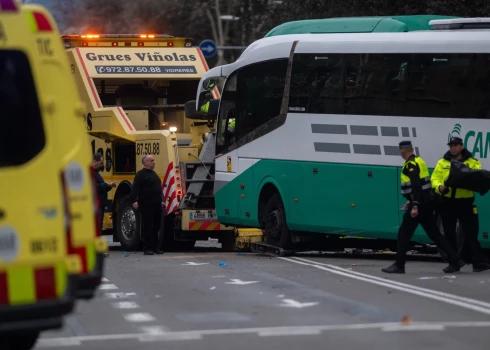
column 457, row 203
column 416, row 187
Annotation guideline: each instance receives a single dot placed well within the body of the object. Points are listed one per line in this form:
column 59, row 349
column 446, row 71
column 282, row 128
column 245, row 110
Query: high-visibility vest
column 441, row 173
column 406, row 185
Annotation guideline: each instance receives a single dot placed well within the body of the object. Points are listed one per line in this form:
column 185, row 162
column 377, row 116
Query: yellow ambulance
column 50, row 247
column 37, row 276
column 73, row 149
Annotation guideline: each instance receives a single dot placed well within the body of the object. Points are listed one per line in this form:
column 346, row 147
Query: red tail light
column 98, row 230
column 45, row 283
column 4, row 293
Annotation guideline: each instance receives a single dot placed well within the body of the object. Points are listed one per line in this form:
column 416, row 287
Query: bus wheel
column 275, row 225
column 460, row 241
column 26, row 341
column 128, row 226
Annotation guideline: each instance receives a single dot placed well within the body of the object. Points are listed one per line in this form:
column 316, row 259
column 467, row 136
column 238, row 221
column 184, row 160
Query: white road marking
column 285, row 332
column 190, row 263
column 467, row 303
column 296, row 304
column 104, row 279
column 405, row 328
column 221, row 276
column 240, row 282
column 212, row 288
column 118, row 295
column 170, row 336
column 154, row 330
column 426, row 290
column 107, row 286
column 280, row 296
column 125, row 305
column 61, row 342
column 187, row 335
column 139, row 317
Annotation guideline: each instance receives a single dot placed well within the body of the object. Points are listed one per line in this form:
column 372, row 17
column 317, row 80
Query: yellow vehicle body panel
column 35, row 267
column 107, row 126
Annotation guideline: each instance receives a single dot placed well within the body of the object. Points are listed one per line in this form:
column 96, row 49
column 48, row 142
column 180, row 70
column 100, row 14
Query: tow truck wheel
column 275, row 225
column 128, row 226
column 26, row 341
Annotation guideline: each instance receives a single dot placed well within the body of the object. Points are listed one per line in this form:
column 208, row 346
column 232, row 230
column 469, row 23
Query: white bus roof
column 421, row 41
column 433, row 41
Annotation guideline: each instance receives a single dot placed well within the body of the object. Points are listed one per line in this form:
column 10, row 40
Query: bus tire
column 26, row 341
column 460, row 240
column 275, row 223
column 128, row 225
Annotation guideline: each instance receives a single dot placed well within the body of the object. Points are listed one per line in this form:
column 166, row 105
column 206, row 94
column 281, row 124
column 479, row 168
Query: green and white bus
column 318, row 118
column 380, row 24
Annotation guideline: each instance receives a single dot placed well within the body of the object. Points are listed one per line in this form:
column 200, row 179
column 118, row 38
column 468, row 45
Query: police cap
column 405, row 144
column 455, row 141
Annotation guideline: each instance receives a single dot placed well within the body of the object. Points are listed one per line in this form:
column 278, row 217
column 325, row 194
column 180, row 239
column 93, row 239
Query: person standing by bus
column 147, row 197
column 102, row 187
column 458, row 203
column 416, row 188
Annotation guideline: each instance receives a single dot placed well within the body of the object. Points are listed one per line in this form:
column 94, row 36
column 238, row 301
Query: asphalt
column 207, row 299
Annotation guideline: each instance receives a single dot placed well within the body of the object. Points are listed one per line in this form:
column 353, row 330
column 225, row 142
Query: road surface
column 207, row 299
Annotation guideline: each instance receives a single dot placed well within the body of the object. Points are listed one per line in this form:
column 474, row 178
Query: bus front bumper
column 39, row 316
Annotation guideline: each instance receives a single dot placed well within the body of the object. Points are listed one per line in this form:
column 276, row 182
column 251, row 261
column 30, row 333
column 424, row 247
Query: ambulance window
column 21, row 130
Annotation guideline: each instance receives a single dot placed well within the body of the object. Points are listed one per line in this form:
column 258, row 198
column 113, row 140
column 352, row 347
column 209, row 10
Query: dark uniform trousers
column 462, row 209
column 151, row 215
column 427, row 219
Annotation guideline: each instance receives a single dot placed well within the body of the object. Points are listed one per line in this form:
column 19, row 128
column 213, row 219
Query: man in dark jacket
column 102, row 187
column 147, row 197
column 458, row 203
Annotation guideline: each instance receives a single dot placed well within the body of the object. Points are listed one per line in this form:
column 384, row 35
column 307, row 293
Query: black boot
column 482, row 266
column 394, row 269
column 454, row 267
column 148, row 252
column 158, row 251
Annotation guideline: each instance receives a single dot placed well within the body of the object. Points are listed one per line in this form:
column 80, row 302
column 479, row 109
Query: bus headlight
column 172, row 129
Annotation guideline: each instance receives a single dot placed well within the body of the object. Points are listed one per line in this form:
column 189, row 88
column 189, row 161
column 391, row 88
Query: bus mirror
column 210, row 114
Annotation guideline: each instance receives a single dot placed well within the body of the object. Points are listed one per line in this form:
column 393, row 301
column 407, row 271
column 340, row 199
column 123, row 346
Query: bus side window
column 227, row 113
column 260, row 91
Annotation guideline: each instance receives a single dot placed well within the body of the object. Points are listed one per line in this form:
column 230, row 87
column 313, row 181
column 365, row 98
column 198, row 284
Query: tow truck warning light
column 149, row 40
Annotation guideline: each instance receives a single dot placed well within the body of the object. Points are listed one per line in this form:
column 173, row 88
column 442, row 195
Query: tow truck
column 134, row 87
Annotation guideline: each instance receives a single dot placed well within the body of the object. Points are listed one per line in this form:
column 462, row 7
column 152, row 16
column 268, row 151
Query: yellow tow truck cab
column 135, row 87
column 73, row 153
column 38, row 278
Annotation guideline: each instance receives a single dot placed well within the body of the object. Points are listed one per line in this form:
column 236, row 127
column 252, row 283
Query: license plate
column 203, row 215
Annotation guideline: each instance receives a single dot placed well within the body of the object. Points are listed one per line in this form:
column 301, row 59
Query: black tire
column 275, row 223
column 26, row 341
column 167, row 238
column 460, row 239
column 128, row 225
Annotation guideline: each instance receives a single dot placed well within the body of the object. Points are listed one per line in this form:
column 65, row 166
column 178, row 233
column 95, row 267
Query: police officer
column 416, row 187
column 458, row 203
